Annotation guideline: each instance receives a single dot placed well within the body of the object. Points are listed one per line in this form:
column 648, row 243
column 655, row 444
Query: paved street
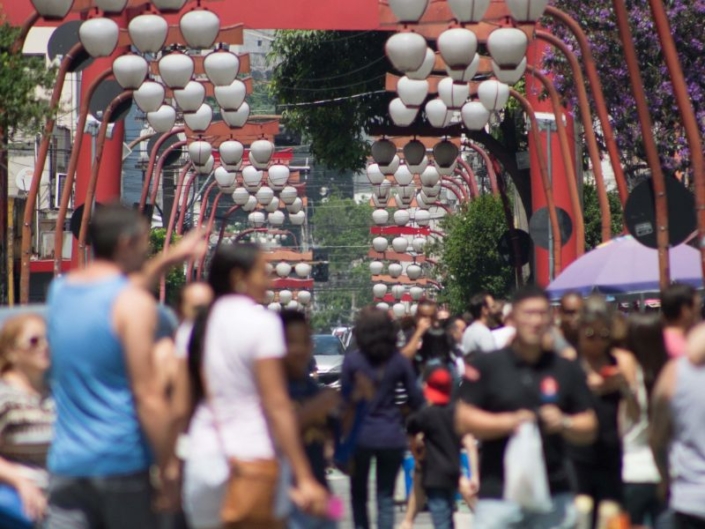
column 339, row 484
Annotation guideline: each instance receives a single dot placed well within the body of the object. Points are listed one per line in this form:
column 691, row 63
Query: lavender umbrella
column 624, row 266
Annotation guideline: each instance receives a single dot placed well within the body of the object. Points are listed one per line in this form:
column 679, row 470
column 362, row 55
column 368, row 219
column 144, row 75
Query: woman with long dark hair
column 382, row 436
column 245, row 415
column 611, row 376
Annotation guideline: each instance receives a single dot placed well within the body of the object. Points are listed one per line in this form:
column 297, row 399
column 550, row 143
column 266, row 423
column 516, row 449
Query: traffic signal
column 319, row 266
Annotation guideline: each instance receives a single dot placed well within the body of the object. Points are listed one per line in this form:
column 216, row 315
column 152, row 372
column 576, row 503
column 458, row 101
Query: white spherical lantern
column 275, row 307
column 383, row 190
column 401, row 115
column 392, row 167
column 200, row 120
column 285, row 296
column 227, row 190
column 412, row 92
column 221, row 67
column 304, row 297
column 241, row 196
column 380, row 244
column 384, row 151
column 303, row 270
column 400, row 244
column 406, row 51
column 395, row 270
column 454, row 95
column 278, row 176
column 264, row 195
column 251, row 204
column 399, row 310
column 420, row 168
column 418, row 244
column 99, row 36
column 446, row 171
column 148, row 33
column 380, row 217
column 206, row 168
column 273, row 205
column 437, row 113
column 232, row 167
column 445, row 153
column 493, row 94
column 296, row 206
column 467, row 11
column 236, row 118
column 269, row 296
column 257, row 219
column 383, row 306
column 149, row 96
column 52, row 9
column 379, row 290
column 398, row 291
column 176, row 70
column 376, row 267
column 414, row 152
column 252, row 177
column 401, row 217
column 224, row 178
column 507, row 46
column 276, row 218
column 199, row 152
column 232, row 96
column 430, row 176
column 416, row 293
column 261, row 152
column 298, row 218
column 130, row 71
column 423, row 202
column 422, row 218
column 111, row 6
column 190, row 98
column 457, row 46
column 414, row 272
column 426, row 68
column 509, row 77
column 465, row 75
column 200, row 28
column 374, row 175
column 408, row 11
column 405, row 196
column 169, row 5
column 475, row 115
column 288, row 195
column 163, row 119
column 527, row 10
column 231, row 152
column 403, row 176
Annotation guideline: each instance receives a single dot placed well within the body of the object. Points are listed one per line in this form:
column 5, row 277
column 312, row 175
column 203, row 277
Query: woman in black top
column 611, row 376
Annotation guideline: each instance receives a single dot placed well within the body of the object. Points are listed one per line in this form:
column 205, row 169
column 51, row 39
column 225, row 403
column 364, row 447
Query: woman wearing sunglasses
column 612, row 378
column 26, row 419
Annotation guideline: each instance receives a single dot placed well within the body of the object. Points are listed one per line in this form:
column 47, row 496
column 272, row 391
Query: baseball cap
column 439, row 386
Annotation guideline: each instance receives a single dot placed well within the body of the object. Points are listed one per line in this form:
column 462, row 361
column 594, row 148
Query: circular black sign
column 539, row 227
column 506, row 248
column 640, row 213
column 103, row 96
column 173, row 156
column 63, row 39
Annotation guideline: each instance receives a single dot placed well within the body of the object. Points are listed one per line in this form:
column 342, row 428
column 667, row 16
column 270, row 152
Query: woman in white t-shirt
column 246, row 411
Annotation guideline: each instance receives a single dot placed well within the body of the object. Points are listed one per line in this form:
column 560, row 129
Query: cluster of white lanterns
column 410, row 54
column 285, row 298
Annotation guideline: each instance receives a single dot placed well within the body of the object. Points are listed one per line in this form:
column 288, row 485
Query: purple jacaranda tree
column 598, row 21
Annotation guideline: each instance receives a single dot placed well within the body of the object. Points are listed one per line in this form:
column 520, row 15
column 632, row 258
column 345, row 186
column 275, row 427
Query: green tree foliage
column 317, row 66
column 593, row 216
column 342, row 227
column 23, row 108
column 176, row 278
column 468, row 257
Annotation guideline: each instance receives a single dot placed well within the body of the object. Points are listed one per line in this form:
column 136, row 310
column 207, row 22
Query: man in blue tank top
column 113, row 421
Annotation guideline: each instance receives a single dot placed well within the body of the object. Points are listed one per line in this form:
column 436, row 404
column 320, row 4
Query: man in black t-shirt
column 524, row 383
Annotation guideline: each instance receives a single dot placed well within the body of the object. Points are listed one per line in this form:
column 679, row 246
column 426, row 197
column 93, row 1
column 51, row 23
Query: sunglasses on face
column 591, row 334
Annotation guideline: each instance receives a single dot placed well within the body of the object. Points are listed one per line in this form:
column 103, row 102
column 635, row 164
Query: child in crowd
column 441, row 461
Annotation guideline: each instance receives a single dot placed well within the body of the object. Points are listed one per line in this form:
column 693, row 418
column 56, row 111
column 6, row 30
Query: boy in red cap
column 441, row 464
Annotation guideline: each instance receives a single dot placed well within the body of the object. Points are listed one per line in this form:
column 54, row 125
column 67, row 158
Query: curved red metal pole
column 685, row 107
column 142, row 138
column 545, row 180
column 184, row 202
column 588, row 127
column 488, row 163
column 513, row 235
column 170, row 225
column 95, row 172
column 24, row 31
column 209, row 230
column 30, row 205
column 471, row 180
column 156, row 177
column 598, row 96
column 152, row 160
column 647, row 133
column 204, row 208
column 71, row 171
column 568, row 166
column 452, row 186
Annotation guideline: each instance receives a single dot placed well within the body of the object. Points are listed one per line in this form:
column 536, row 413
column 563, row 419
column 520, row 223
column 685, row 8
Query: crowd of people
column 113, row 418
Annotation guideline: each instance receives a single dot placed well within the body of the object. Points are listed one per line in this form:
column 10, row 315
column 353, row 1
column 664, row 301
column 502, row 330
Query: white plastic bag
column 525, row 479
